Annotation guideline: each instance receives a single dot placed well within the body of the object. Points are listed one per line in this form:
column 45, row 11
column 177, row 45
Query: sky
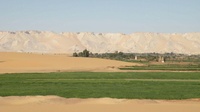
column 122, row 16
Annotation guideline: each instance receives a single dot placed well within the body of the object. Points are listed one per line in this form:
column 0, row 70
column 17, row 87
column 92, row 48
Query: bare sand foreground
column 24, row 62
column 57, row 104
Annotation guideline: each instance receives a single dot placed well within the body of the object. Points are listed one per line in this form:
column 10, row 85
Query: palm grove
column 146, row 57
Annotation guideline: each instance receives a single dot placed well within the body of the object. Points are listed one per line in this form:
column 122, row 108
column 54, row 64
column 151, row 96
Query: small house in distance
column 161, row 59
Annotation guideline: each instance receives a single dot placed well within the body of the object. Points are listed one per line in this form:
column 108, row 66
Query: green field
column 169, row 67
column 145, row 85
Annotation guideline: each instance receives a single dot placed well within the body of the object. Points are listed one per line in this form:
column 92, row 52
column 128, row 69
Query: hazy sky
column 125, row 16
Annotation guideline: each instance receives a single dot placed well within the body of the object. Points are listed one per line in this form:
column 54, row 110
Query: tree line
column 140, row 56
column 84, row 53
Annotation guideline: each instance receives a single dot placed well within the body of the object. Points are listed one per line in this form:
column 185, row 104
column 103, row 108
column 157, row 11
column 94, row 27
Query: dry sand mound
column 57, row 104
column 23, row 62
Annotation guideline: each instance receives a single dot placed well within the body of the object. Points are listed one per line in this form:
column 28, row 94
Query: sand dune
column 24, row 62
column 50, row 42
column 57, row 104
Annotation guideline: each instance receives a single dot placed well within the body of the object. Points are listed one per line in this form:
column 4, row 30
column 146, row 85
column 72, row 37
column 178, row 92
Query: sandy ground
column 24, row 62
column 58, row 104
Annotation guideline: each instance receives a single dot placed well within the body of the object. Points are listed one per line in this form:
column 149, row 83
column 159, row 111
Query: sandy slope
column 23, row 62
column 57, row 104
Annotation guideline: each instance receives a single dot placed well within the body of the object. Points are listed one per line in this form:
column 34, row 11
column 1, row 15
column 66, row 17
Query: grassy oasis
column 162, row 85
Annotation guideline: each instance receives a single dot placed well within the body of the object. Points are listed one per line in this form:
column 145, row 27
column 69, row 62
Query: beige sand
column 24, row 62
column 57, row 104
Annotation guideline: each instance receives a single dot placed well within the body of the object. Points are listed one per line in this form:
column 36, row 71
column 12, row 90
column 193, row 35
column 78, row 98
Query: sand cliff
column 50, row 42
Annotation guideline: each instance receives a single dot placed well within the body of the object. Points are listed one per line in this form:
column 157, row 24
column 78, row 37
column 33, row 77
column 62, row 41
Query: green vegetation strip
column 170, row 67
column 169, row 85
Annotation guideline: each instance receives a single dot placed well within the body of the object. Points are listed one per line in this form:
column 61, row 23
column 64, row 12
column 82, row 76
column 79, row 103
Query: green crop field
column 170, row 67
column 145, row 85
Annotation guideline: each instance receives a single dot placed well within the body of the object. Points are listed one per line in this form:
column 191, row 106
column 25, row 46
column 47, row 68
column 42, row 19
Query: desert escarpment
column 50, row 42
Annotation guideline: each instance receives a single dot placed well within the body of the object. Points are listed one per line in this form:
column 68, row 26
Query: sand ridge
column 25, row 62
column 55, row 103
